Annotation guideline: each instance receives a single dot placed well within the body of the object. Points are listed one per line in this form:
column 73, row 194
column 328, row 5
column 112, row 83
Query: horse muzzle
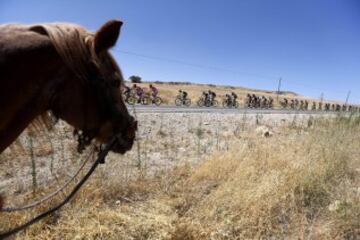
column 125, row 140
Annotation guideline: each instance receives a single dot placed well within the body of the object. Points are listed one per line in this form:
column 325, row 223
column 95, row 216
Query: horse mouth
column 125, row 140
column 122, row 145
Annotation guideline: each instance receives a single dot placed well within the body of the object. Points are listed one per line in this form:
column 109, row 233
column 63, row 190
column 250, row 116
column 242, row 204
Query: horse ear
column 107, row 35
column 39, row 29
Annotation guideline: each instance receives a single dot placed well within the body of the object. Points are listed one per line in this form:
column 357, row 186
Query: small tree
column 135, row 79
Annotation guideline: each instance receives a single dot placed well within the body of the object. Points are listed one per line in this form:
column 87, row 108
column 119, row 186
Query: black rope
column 101, row 158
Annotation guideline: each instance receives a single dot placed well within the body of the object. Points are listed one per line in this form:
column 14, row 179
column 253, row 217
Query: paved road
column 174, row 109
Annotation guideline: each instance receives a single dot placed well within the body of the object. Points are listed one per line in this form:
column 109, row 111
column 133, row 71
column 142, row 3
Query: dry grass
column 302, row 183
column 306, row 187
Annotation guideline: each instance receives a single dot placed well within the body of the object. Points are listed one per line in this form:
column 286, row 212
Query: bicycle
column 211, row 103
column 229, row 103
column 146, row 100
column 180, row 101
column 201, row 101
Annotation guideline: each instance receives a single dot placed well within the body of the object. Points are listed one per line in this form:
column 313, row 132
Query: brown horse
column 69, row 71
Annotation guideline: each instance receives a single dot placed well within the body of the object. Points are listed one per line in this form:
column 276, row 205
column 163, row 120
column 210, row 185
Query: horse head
column 89, row 92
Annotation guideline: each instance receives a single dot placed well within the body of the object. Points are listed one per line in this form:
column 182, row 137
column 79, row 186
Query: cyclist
column 306, row 105
column 126, row 92
column 249, row 100
column 313, row 106
column 139, row 92
column 320, row 106
column 263, row 102
column 286, row 102
column 271, row 102
column 183, row 95
column 296, row 103
column 228, row 98
column 154, row 91
column 206, row 95
column 211, row 95
column 292, row 104
column 234, row 98
column 301, row 105
column 255, row 101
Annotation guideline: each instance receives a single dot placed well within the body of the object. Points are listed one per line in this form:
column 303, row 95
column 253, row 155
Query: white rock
column 358, row 191
column 334, row 206
column 264, row 131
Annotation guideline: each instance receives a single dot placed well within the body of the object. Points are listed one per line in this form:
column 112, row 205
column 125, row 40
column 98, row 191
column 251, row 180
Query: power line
column 196, row 65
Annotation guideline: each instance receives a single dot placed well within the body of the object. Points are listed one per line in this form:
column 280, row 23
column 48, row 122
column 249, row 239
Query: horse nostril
column 135, row 125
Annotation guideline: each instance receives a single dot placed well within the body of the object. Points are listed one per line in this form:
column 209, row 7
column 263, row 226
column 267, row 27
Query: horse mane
column 74, row 44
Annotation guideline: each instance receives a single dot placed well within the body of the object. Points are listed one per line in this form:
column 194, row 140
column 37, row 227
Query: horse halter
column 84, row 138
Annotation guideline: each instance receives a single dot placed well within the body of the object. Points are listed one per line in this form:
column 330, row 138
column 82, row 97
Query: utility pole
column 278, row 89
column 321, row 101
column 347, row 97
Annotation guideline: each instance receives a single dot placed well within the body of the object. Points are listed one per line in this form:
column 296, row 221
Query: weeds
column 199, row 134
column 258, row 118
column 33, row 163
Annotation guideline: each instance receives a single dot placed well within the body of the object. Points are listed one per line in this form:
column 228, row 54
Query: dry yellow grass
column 305, row 187
column 302, row 183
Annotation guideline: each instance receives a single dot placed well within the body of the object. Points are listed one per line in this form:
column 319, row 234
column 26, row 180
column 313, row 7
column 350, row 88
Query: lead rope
column 101, row 158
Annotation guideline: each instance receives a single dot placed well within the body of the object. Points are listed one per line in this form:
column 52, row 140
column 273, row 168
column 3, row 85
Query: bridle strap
column 101, row 158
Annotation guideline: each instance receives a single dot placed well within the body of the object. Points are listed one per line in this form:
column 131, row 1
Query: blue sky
column 314, row 45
